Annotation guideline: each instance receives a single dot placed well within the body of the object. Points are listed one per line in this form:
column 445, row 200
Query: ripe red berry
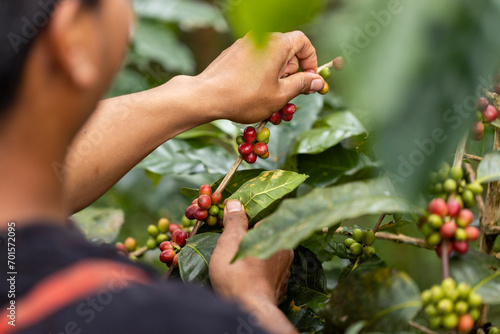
column 461, row 247
column 167, row 255
column 287, row 118
column 260, row 149
column 465, row 323
column 275, row 118
column 174, row 227
column 472, row 233
column 482, row 103
column 249, row 134
column 175, row 261
column 201, row 214
column 438, row 206
column 465, row 217
column 179, row 237
column 166, row 245
column 250, row 158
column 216, row 197
column 205, row 189
column 245, row 148
column 454, row 207
column 204, row 202
column 448, row 230
column 119, row 247
column 477, row 130
column 288, row 110
column 490, row 114
column 190, row 211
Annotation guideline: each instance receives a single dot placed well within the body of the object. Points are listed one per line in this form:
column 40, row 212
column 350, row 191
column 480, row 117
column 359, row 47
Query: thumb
column 301, row 83
column 235, row 224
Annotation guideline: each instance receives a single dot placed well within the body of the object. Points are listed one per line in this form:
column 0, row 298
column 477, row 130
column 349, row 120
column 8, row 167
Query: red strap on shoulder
column 67, row 286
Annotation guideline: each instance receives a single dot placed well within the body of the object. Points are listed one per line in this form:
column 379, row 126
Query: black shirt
column 159, row 307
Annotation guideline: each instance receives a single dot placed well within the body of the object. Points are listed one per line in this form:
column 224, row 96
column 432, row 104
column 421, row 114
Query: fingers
column 235, row 226
column 303, row 50
column 301, row 83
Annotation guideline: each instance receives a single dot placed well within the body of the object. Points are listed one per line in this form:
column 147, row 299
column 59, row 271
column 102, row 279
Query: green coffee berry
column 437, row 293
column 493, row 330
column 356, row 249
column 212, row 220
column 153, row 230
column 214, row 211
column 433, row 177
column 475, row 300
column 325, row 73
column 427, row 229
column 435, row 322
column 475, row 313
column 448, row 284
column 161, row 237
column 163, row 225
column 456, row 173
column 468, row 198
column 221, row 214
column 434, row 239
column 461, row 307
column 426, row 297
column 369, row 250
column 431, row 310
column 357, row 235
column 444, row 171
column 450, row 321
column 348, row 242
column 435, row 221
column 438, row 189
column 475, row 187
column 263, row 134
column 445, row 305
column 240, row 140
column 151, row 243
column 460, row 234
column 450, row 185
column 368, row 237
column 463, row 290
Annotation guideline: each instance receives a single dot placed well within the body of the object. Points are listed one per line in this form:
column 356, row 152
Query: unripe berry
column 249, row 134
column 490, row 114
column 465, row 323
column 250, row 158
column 204, row 202
column 438, row 206
column 450, row 321
column 433, row 239
column 444, row 171
column 213, row 211
column 454, row 207
column 161, row 238
column 131, row 244
column 456, row 173
column 472, row 233
column 465, row 217
column 153, row 230
column 469, row 199
column 166, row 245
column 463, row 290
column 448, row 230
column 369, row 250
column 326, row 73
column 437, row 293
column 325, row 90
column 475, row 313
column 163, row 225
column 348, row 242
column 338, row 63
column 477, row 130
column 167, row 255
column 240, row 140
column 450, row 185
column 445, row 306
column 448, row 284
column 435, row 221
column 435, row 322
column 173, row 227
column 475, row 187
column 431, row 310
column 221, row 214
column 356, row 249
column 201, row 214
column 275, row 118
column 205, row 189
column 482, row 103
column 216, row 197
column 461, row 307
column 151, row 243
column 475, row 300
column 288, row 110
column 461, row 247
column 494, row 330
column 179, row 237
column 265, row 156
column 426, row 297
column 260, row 149
column 368, row 237
column 460, row 235
column 427, row 230
column 245, row 148
column 212, row 221
column 287, row 118
column 357, row 235
column 263, row 134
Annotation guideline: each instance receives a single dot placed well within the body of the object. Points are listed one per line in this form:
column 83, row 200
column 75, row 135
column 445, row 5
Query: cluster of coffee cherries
column 451, row 306
column 486, row 114
column 253, row 143
column 361, row 243
column 207, row 207
column 285, row 114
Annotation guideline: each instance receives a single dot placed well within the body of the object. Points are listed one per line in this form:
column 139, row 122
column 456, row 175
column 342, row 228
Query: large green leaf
column 307, row 281
column 481, row 271
column 383, row 297
column 100, row 225
column 194, row 258
column 297, row 219
column 328, row 132
column 261, row 195
column 489, row 168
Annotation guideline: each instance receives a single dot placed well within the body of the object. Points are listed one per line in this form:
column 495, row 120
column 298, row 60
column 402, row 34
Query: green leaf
column 489, row 168
column 154, row 41
column 383, row 297
column 331, row 131
column 481, row 271
column 262, row 16
column 262, row 195
column 297, row 219
column 100, row 225
column 325, row 247
column 304, row 319
column 307, row 281
column 496, row 123
column 194, row 258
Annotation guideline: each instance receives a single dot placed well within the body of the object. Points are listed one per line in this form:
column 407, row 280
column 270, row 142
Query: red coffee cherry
column 250, row 158
column 173, row 227
column 245, row 148
column 120, row 247
column 175, row 261
column 490, row 114
column 465, row 323
column 448, row 230
column 191, row 210
column 249, row 134
column 461, row 247
column 201, row 214
column 482, row 103
column 454, row 207
column 438, row 206
column 465, row 217
column 288, row 110
column 477, row 130
column 167, row 256
column 166, row 245
column 472, row 233
column 216, row 197
column 204, row 202
column 275, row 118
column 287, row 118
column 260, row 149
column 179, row 237
column 205, row 189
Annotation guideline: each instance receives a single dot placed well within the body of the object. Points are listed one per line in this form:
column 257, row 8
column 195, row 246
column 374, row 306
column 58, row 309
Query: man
column 57, row 59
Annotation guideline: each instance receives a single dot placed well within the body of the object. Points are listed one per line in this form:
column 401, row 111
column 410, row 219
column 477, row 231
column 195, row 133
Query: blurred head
column 64, row 51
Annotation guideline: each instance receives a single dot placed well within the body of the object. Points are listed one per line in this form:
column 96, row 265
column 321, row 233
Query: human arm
column 258, row 285
column 244, row 84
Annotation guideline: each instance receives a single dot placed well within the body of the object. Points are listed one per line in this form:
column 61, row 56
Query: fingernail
column 317, row 85
column 233, row 206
